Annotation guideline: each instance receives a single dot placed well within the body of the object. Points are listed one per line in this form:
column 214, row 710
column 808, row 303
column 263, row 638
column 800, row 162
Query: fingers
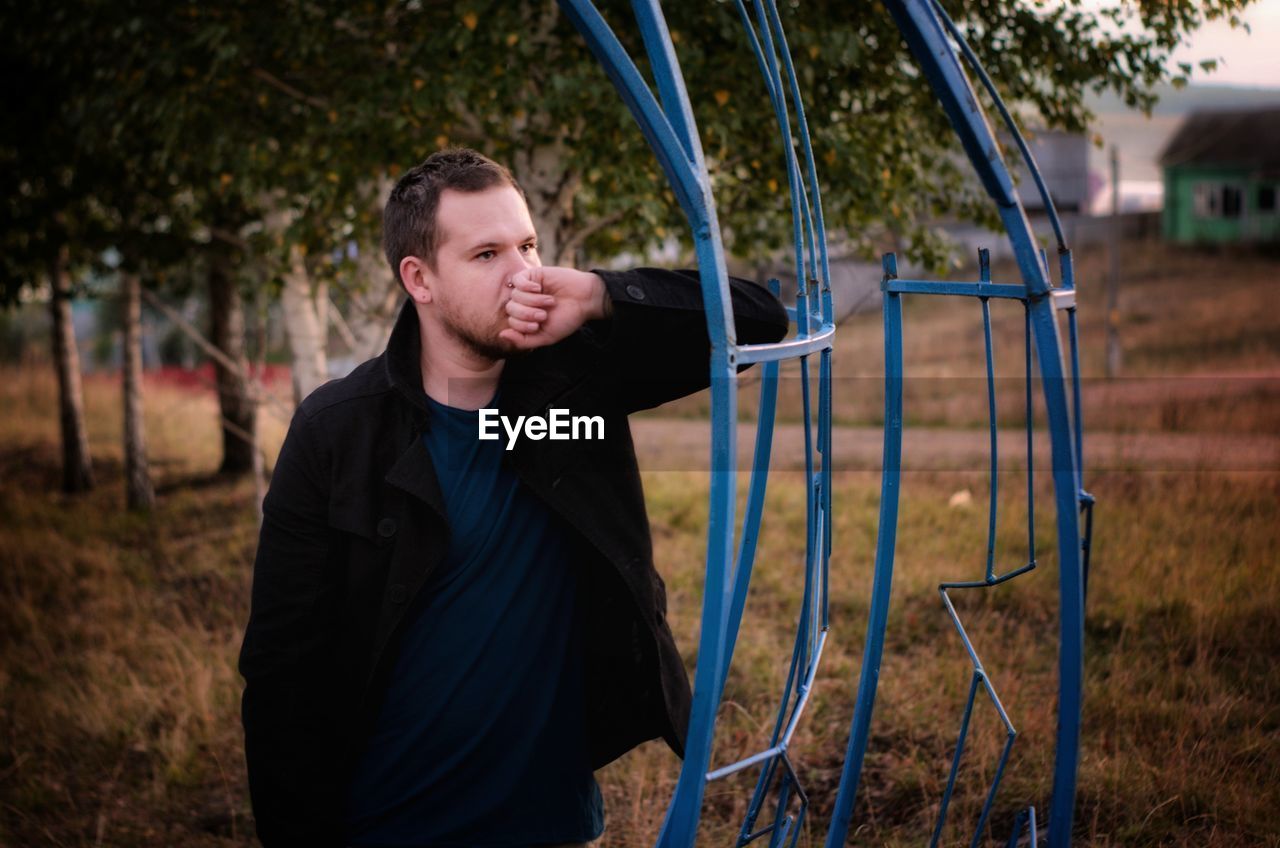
column 526, row 307
column 523, row 326
column 524, row 312
column 531, row 299
column 528, row 280
column 518, row 340
column 512, row 336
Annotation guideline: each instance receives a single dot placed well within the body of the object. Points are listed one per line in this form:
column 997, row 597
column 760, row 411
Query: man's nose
column 518, row 261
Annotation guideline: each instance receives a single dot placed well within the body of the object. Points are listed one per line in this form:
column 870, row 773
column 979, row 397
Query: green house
column 1222, row 177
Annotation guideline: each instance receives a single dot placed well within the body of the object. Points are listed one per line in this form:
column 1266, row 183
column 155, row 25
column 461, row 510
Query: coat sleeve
column 293, row 759
column 657, row 340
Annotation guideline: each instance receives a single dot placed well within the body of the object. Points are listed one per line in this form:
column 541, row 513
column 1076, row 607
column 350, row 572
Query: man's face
column 484, row 238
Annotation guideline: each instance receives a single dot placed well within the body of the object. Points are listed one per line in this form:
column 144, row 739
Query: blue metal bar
column 805, row 144
column 657, row 129
column 890, row 484
column 782, row 828
column 773, row 26
column 995, row 787
column 778, row 99
column 794, row 780
column 1070, row 575
column 749, row 28
column 1026, row 818
column 918, row 22
column 955, row 620
column 765, row 420
column 797, row 655
column 985, row 584
column 810, row 508
column 923, row 33
column 995, row 450
column 1031, row 455
column 745, row 763
column 680, row 155
column 811, row 515
column 803, row 315
column 766, row 774
column 980, row 675
column 1069, row 282
column 789, row 349
column 666, row 71
column 806, row 689
column 1004, row 290
column 757, row 802
column 1018, row 823
column 1087, row 543
column 955, row 759
column 671, row 131
column 1073, row 331
column 824, row 445
column 781, row 821
column 1050, row 209
column 747, row 839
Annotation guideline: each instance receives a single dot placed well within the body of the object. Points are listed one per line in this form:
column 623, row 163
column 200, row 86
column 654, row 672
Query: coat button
column 398, row 593
column 387, row 528
column 635, row 291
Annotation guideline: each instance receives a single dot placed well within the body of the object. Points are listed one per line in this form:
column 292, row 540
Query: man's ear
column 415, row 275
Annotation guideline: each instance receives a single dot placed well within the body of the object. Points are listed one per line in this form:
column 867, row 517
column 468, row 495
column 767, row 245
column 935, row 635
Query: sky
column 1245, row 59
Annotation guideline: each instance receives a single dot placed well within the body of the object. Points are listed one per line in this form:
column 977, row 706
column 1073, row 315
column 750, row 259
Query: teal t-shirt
column 480, row 741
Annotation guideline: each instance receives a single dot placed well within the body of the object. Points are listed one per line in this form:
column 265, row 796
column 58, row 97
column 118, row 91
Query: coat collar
column 403, row 360
column 413, row 471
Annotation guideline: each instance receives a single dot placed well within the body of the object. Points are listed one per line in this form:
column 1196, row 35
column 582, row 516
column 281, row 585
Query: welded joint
column 1063, row 298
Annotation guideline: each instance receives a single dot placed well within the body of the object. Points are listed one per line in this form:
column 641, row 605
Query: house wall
column 1183, row 222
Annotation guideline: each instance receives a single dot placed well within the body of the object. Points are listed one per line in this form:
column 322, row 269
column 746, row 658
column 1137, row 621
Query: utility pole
column 1114, row 353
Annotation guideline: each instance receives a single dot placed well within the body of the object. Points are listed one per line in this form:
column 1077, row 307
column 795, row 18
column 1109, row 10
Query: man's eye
column 528, row 247
column 487, row 254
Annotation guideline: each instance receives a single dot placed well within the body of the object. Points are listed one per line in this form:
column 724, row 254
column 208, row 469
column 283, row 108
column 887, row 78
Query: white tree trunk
column 237, row 411
column 549, row 184
column 306, row 323
column 373, row 292
column 373, row 303
column 77, row 473
column 139, row 493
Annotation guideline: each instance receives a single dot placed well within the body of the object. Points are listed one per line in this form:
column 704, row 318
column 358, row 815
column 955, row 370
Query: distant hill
column 1140, row 139
column 1174, row 101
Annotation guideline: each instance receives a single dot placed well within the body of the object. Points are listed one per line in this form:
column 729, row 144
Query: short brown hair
column 409, row 219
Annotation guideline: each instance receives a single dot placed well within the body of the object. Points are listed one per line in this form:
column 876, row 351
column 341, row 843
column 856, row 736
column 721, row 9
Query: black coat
column 354, row 523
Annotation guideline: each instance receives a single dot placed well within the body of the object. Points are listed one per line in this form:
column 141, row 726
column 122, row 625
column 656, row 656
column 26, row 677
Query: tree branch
column 580, row 235
column 228, row 237
column 259, row 392
column 284, row 87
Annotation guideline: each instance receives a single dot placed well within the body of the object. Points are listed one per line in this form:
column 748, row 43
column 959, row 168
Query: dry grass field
column 119, row 633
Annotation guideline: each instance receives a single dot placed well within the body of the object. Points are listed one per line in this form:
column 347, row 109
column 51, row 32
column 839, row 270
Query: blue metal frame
column 668, row 125
column 929, row 34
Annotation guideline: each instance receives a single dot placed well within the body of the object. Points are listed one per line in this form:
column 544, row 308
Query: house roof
column 1249, row 138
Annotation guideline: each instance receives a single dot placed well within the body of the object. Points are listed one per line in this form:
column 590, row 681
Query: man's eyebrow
column 488, row 245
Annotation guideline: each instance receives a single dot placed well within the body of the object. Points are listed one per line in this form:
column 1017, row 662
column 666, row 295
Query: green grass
column 119, row 633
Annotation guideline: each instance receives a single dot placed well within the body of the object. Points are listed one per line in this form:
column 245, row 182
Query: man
column 449, row 634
